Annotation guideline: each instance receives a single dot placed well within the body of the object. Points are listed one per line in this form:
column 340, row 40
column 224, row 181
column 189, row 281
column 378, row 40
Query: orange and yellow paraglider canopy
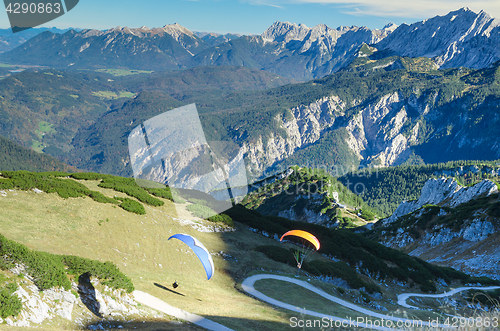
column 303, row 234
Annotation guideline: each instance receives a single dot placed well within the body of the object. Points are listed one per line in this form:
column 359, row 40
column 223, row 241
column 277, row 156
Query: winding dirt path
column 403, row 297
column 388, row 322
column 385, row 322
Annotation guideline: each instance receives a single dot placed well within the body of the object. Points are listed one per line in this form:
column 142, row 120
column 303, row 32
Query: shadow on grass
column 167, row 289
column 154, row 325
column 157, row 325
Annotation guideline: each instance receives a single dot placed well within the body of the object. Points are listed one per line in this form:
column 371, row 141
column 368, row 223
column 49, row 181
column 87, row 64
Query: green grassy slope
column 139, row 246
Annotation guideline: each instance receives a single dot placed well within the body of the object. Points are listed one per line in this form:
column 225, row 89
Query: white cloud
column 399, row 8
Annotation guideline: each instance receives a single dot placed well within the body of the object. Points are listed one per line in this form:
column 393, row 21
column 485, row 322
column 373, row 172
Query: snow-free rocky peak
column 452, row 40
column 175, row 30
column 321, row 33
column 285, row 31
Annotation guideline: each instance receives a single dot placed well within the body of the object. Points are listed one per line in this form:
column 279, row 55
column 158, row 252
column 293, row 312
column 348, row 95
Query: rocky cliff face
column 381, row 134
column 452, row 235
column 376, row 135
column 384, row 131
column 304, row 126
column 41, row 307
column 443, row 192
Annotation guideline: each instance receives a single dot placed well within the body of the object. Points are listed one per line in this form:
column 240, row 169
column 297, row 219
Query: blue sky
column 254, row 16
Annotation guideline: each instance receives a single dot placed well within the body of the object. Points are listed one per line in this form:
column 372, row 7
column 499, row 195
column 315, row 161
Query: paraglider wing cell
column 199, row 250
column 303, row 234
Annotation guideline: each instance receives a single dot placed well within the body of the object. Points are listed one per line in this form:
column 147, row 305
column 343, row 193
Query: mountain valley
column 382, row 144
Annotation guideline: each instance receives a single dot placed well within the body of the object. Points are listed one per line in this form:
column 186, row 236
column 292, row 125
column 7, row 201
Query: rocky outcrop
column 475, row 230
column 470, row 249
column 42, row 306
column 443, row 192
column 465, row 241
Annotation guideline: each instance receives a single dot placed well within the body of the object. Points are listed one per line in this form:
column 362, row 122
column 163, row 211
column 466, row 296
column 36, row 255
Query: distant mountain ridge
column 293, row 50
column 460, row 38
column 10, row 40
column 165, row 48
column 215, row 39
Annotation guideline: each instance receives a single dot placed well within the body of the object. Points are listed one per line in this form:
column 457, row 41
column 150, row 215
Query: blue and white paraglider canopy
column 199, row 250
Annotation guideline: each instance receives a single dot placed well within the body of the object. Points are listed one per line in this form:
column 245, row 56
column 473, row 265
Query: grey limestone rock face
column 42, row 306
column 443, row 192
column 375, row 134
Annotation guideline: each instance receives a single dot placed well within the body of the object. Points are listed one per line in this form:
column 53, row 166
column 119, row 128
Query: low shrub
column 278, row 254
column 366, row 297
column 222, row 218
column 164, row 193
column 46, row 269
column 107, row 272
column 6, row 184
column 99, row 197
column 10, row 304
column 87, row 176
column 131, row 206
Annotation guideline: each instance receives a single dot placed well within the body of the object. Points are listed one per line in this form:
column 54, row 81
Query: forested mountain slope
column 386, row 188
column 16, row 157
column 375, row 113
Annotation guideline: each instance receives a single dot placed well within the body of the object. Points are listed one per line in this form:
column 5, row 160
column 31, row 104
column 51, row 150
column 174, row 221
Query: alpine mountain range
column 460, row 38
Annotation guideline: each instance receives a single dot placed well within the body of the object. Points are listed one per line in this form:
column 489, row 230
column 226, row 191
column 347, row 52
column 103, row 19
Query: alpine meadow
column 302, row 178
